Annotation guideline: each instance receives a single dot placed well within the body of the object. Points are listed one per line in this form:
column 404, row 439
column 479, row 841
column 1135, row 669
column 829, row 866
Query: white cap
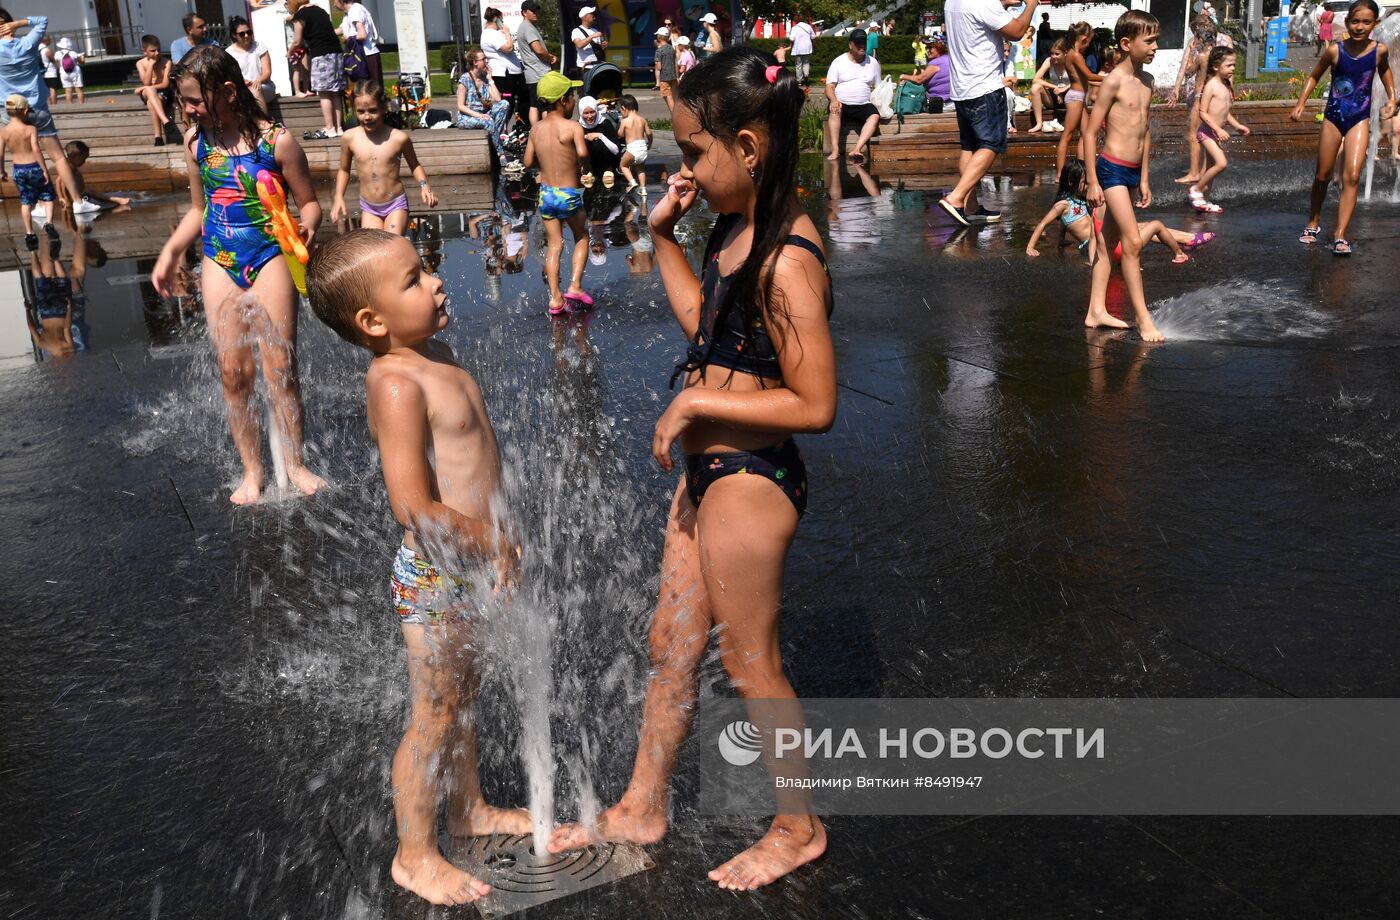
column 586, row 10
column 682, row 40
column 662, row 31
column 710, row 18
column 64, row 44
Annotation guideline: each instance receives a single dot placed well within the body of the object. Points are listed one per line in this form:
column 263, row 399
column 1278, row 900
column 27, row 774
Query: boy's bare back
column 377, row 162
column 21, row 141
column 1126, row 97
column 458, row 445
column 633, row 128
column 557, row 145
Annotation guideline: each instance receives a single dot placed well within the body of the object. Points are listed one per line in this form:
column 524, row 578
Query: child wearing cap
column 665, row 67
column 558, row 148
column 685, row 58
column 21, row 140
column 70, row 69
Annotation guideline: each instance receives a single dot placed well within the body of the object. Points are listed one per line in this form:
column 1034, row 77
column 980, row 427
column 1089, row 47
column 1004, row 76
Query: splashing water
column 1239, row 312
column 1386, row 33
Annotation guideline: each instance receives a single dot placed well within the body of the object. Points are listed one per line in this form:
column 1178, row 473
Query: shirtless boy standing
column 375, row 149
column 557, row 147
column 442, row 470
column 636, row 135
column 1121, row 169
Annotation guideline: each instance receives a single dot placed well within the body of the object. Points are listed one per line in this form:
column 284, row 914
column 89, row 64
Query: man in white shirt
column 976, row 30
column 849, row 81
column 588, row 41
column 802, row 35
column 358, row 23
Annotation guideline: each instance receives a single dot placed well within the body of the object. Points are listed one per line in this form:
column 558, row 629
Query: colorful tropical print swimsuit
column 237, row 231
column 421, row 594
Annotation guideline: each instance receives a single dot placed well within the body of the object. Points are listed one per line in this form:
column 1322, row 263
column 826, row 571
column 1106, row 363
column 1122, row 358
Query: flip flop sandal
column 1200, row 239
column 559, row 310
column 1181, row 259
column 318, row 135
column 1208, row 207
column 1309, row 235
column 1341, row 248
column 579, row 301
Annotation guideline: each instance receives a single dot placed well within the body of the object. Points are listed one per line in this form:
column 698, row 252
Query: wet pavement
column 200, row 703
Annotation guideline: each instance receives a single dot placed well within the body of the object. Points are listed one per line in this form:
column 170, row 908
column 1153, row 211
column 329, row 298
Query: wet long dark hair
column 727, row 92
column 211, row 67
column 1072, row 179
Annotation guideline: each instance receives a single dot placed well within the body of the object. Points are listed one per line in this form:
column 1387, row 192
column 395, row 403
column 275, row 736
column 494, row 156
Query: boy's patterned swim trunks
column 419, row 593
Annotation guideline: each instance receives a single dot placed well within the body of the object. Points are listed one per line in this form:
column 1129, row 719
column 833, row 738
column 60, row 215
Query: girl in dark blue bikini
column 759, row 368
column 1346, row 127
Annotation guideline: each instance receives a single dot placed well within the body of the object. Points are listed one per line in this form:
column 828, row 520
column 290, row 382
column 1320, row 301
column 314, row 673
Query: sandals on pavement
column 1341, row 247
column 1200, row 239
column 1309, row 235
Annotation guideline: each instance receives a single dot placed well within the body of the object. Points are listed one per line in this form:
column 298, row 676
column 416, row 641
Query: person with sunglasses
column 253, row 58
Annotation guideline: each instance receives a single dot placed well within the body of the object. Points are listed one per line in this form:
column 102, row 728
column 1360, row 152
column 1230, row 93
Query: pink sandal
column 1207, row 207
column 579, row 301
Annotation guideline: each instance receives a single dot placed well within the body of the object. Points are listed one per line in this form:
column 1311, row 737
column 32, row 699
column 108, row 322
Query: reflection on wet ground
column 200, row 703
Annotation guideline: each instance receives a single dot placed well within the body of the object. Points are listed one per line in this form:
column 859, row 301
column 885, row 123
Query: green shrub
column 894, row 49
column 809, row 130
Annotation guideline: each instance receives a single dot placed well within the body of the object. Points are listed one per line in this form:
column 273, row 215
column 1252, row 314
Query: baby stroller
column 603, row 82
column 410, row 93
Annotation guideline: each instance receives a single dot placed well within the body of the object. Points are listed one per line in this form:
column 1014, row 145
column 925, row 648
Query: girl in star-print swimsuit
column 247, row 289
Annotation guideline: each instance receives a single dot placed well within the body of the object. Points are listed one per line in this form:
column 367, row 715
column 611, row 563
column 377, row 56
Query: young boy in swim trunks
column 31, row 176
column 375, row 150
column 636, row 135
column 1121, row 170
column 557, row 147
column 442, row 470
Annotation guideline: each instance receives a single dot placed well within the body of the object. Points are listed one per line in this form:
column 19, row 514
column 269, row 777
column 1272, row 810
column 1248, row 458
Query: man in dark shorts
column 849, row 80
column 535, row 58
column 976, row 29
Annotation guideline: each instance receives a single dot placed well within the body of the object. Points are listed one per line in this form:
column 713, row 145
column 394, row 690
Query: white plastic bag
column 883, row 98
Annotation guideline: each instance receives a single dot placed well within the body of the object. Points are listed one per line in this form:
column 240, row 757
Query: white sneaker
column 1056, row 126
column 86, row 206
column 39, row 212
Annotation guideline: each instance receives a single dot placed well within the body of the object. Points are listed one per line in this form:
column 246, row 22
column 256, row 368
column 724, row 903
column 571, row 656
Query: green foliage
column 809, row 130
column 894, row 49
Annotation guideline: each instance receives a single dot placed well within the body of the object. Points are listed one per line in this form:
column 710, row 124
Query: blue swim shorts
column 1111, row 172
column 558, row 202
column 982, row 122
column 33, row 187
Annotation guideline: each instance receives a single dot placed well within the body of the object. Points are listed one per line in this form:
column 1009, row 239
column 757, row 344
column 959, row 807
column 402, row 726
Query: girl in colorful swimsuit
column 230, row 151
column 1346, row 127
column 1086, row 229
column 375, row 149
column 760, row 368
column 1080, row 79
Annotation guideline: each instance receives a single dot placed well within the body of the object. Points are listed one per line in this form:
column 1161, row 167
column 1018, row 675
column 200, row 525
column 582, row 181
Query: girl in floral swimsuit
column 247, row 289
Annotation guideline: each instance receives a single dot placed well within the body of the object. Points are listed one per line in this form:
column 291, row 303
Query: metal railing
column 103, row 42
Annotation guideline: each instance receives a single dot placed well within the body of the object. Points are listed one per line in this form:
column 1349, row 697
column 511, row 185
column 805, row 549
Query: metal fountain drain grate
column 519, row 879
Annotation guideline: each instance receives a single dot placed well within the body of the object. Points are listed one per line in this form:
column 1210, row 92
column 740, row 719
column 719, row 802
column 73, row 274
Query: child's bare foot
column 1180, row 258
column 249, row 491
column 834, row 156
column 792, row 841
column 620, row 824
column 1187, row 179
column 1098, row 316
column 1150, row 333
column 305, row 481
column 485, row 820
column 436, row 880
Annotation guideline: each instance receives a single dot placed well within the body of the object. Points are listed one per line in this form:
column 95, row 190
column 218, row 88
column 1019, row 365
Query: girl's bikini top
column 731, row 345
column 1077, row 208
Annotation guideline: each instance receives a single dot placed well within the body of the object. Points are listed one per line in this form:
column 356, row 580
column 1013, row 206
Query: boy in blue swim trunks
column 1123, row 102
column 20, row 140
column 558, row 148
column 442, row 472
